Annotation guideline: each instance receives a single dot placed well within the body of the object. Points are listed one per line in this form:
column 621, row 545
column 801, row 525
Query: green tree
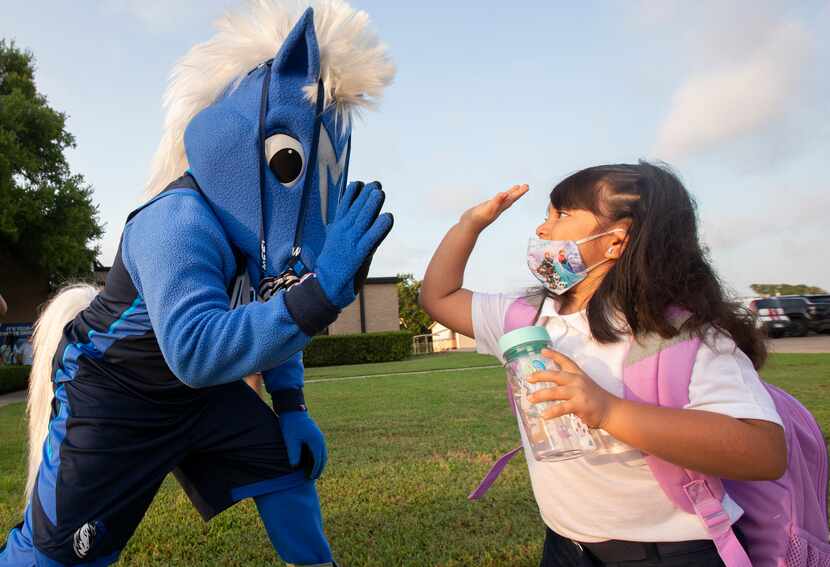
column 786, row 289
column 47, row 217
column 413, row 318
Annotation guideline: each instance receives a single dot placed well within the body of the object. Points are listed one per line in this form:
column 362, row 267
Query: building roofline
column 383, row 280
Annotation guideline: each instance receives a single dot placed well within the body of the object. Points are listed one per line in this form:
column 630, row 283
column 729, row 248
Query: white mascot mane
column 354, row 66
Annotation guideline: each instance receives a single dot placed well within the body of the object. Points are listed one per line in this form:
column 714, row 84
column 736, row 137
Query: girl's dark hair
column 663, row 265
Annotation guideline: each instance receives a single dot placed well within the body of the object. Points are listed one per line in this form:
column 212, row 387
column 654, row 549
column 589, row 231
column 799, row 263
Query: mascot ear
column 299, row 55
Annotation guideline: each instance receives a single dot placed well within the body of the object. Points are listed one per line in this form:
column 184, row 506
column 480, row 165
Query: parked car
column 819, row 306
column 771, row 317
column 802, row 313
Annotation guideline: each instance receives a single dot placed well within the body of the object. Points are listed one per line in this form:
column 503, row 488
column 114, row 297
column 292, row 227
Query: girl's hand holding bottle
column 576, row 392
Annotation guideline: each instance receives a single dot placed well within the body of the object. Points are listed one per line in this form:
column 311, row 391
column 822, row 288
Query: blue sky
column 489, row 94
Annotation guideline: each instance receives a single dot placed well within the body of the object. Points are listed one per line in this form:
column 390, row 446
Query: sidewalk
column 12, row 398
column 408, row 373
column 811, row 344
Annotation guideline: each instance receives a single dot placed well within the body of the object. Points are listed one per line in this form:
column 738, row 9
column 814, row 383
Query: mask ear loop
column 600, row 235
column 594, row 237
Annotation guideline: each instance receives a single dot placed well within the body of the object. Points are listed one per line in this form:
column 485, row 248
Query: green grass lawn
column 404, row 452
column 421, row 363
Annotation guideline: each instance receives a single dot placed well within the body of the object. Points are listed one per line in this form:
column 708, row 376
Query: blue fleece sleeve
column 286, row 376
column 181, row 263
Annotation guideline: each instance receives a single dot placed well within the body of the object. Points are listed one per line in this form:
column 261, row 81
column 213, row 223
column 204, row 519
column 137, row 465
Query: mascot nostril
column 248, row 191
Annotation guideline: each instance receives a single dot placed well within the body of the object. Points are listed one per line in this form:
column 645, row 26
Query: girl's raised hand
column 480, row 216
column 575, row 390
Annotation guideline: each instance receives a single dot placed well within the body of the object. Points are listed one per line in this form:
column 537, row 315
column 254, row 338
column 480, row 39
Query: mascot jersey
column 144, row 378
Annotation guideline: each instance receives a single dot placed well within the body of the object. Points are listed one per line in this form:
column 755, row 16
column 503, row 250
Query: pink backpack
column 784, row 521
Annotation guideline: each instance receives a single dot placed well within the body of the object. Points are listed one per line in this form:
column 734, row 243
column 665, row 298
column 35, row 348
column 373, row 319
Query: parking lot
column 814, row 343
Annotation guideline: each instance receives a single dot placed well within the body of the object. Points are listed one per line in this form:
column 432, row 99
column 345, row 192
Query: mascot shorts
column 109, row 449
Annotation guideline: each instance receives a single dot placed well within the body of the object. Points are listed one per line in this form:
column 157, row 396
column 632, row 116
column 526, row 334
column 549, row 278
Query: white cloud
column 401, row 254
column 773, row 215
column 778, row 237
column 449, row 201
column 745, row 96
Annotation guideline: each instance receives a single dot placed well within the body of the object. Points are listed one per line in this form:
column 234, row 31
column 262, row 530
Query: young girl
column 631, row 233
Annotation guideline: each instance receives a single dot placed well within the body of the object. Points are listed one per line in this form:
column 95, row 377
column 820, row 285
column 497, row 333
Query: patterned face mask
column 558, row 264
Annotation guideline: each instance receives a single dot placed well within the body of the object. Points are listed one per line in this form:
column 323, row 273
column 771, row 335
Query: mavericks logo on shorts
column 83, row 539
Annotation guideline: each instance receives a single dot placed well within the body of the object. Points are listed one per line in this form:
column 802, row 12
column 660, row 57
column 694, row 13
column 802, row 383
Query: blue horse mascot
column 249, row 243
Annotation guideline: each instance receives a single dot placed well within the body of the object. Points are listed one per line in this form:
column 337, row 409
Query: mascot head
column 261, row 116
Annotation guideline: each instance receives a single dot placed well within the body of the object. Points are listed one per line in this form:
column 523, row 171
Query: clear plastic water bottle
column 565, row 437
column 607, row 444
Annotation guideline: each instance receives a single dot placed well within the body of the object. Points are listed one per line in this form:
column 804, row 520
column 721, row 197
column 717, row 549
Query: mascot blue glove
column 304, row 442
column 354, row 234
column 351, row 239
column 300, row 431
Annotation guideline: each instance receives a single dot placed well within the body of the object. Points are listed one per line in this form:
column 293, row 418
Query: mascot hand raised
column 357, row 231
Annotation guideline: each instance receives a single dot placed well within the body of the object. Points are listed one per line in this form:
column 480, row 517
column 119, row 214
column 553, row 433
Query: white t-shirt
column 615, row 496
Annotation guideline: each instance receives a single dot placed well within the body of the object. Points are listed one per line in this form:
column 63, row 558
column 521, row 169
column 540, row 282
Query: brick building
column 375, row 309
column 24, row 288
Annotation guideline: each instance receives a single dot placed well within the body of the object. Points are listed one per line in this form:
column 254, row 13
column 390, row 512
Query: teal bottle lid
column 521, row 336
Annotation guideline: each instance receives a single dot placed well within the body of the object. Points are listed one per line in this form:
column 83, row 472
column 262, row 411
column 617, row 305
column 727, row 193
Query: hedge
column 324, row 350
column 13, row 378
column 329, row 350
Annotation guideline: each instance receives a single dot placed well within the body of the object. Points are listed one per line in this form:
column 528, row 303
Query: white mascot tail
column 70, row 301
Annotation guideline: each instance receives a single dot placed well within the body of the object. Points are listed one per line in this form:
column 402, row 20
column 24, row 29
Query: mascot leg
column 294, row 524
column 18, row 550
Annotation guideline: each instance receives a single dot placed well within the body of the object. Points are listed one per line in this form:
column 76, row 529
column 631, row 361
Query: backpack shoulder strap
column 521, row 313
column 659, row 371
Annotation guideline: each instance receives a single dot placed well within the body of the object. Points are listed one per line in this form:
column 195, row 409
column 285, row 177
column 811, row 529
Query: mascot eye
column 285, row 158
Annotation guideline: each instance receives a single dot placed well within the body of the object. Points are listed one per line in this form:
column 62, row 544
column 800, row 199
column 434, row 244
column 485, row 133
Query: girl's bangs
column 578, row 191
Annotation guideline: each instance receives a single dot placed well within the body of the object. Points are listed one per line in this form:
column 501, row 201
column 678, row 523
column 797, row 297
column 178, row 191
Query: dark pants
column 562, row 552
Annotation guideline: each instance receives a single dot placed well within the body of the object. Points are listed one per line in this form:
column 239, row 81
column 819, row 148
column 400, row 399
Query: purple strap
column 494, row 472
column 496, row 469
column 662, row 378
column 519, row 314
column 710, row 510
